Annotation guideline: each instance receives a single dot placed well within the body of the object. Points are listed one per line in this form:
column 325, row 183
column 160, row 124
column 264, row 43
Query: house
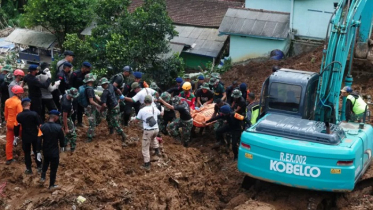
column 40, row 45
column 197, row 22
column 255, row 33
column 308, row 18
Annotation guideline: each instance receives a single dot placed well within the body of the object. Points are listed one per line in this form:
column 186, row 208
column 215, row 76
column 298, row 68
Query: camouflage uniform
column 71, row 135
column 186, row 127
column 94, row 119
column 113, row 120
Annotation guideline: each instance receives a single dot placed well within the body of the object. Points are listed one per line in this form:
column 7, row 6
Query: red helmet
column 16, row 89
column 19, row 72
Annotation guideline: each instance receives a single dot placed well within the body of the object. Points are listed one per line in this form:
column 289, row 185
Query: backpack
column 82, row 98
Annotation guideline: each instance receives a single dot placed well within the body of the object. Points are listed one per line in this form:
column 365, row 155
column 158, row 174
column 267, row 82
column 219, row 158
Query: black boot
column 146, row 166
column 111, row 130
column 157, row 152
column 124, row 144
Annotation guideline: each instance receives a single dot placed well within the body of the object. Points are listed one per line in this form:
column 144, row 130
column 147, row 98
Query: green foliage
column 121, row 38
column 59, row 16
column 211, row 69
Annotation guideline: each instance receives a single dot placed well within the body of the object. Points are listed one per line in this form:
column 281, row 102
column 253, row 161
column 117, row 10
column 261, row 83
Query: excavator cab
column 290, row 92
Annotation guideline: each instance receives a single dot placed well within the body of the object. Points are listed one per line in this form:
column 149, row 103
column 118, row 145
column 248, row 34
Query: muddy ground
column 199, row 177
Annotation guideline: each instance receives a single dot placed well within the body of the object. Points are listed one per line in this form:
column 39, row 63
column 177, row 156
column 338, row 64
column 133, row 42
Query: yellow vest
column 358, row 104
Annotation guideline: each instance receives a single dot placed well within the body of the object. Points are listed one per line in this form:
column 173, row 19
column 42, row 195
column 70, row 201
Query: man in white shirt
column 149, row 116
column 140, row 94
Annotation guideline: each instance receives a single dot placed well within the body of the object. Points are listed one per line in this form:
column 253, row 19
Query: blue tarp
column 6, row 44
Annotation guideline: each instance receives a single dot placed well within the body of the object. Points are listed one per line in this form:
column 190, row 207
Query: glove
column 58, row 82
column 121, row 97
column 62, row 149
column 60, row 97
column 15, row 141
column 38, row 157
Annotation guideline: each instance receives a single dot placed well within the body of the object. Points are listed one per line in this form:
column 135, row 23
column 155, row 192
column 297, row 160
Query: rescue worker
column 201, row 80
column 218, row 89
column 91, row 111
column 244, row 90
column 67, row 124
column 229, row 90
column 109, row 101
column 185, row 122
column 30, row 123
column 239, row 103
column 12, row 108
column 18, row 77
column 4, row 94
column 220, row 122
column 140, row 94
column 34, row 88
column 187, row 78
column 187, row 94
column 76, row 80
column 252, row 110
column 355, row 105
column 64, row 77
column 175, row 91
column 233, row 127
column 204, row 95
column 52, row 134
column 46, row 93
column 149, row 116
column 69, row 57
column 123, row 81
column 168, row 115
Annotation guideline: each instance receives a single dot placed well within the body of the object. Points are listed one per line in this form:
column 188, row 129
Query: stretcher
column 202, row 114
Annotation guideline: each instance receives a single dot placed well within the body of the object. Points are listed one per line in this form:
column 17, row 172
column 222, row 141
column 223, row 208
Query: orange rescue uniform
column 12, row 108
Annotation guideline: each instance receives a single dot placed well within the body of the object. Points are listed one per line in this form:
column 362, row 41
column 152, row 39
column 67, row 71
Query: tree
column 137, row 39
column 60, row 17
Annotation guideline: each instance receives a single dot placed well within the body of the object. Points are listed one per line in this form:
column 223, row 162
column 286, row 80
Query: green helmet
column 215, row 75
column 73, row 92
column 153, row 86
column 103, row 81
column 9, row 77
column 213, row 81
column 166, row 96
column 236, row 93
column 89, row 78
column 175, row 100
column 205, row 85
column 7, row 68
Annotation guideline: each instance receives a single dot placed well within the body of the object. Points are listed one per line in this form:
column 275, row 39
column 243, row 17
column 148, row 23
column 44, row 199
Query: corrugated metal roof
column 174, row 49
column 257, row 23
column 205, row 40
column 32, row 38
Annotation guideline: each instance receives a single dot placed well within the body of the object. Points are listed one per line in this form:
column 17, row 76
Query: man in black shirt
column 185, row 122
column 63, row 76
column 233, row 126
column 52, row 134
column 76, row 80
column 67, row 123
column 109, row 101
column 175, row 91
column 229, row 91
column 204, row 95
column 30, row 122
column 34, row 86
column 239, row 103
column 168, row 115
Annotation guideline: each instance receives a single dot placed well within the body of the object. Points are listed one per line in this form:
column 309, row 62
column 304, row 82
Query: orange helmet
column 18, row 72
column 16, row 89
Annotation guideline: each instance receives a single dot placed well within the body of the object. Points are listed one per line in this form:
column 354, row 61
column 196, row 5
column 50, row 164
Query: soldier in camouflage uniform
column 67, row 123
column 123, row 82
column 91, row 111
column 109, row 101
column 185, row 122
column 168, row 115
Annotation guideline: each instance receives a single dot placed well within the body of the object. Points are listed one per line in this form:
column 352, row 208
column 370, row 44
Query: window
column 284, row 97
column 310, row 100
